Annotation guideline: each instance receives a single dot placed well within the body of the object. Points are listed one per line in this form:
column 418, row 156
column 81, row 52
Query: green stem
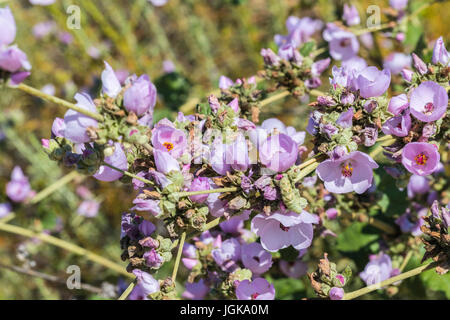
column 376, row 286
column 128, row 290
column 66, row 246
column 194, row 193
column 178, row 259
column 37, row 93
column 54, row 187
column 128, row 174
column 406, row 260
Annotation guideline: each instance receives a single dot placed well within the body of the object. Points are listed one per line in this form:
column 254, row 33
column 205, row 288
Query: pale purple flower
column 147, row 205
column 118, row 159
column 111, row 85
column 12, row 59
column 65, row 37
column 88, row 208
column 165, row 162
column 343, row 45
column 442, row 213
column 396, row 62
column 367, row 40
column 8, row 26
column 370, row 105
column 5, row 209
column 169, row 139
column 225, row 82
column 351, row 15
column 420, row 158
column 77, row 123
column 280, row 230
column 320, row 66
column 398, row 126
column 336, row 293
column 196, row 290
column 153, row 259
column 278, row 152
column 145, row 285
column 258, row 289
column 378, row 269
column 300, row 30
column 354, row 63
column 428, row 101
column 397, row 104
column 200, row 184
column 398, row 4
column 417, row 185
column 141, row 96
column 255, row 258
column 440, row 53
column 347, row 98
column 372, row 82
column 352, row 172
column 295, row 269
column 272, row 125
column 18, row 189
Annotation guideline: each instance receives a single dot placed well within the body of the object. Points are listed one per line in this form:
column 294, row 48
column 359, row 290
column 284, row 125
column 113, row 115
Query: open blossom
column 410, row 222
column 398, row 126
column 294, row 269
column 58, row 127
column 255, row 258
column 417, row 185
column 258, row 289
column 169, row 139
column 77, row 123
column 165, row 162
column 378, row 269
column 300, row 30
column 118, row 159
column 141, row 96
column 145, row 286
column 281, row 230
column 227, row 253
column 428, row 101
column 278, row 152
column 8, row 26
column 420, row 158
column 398, row 4
column 13, row 59
column 351, row 172
column 18, row 188
column 372, row 82
column 440, row 53
column 290, row 53
column 351, row 15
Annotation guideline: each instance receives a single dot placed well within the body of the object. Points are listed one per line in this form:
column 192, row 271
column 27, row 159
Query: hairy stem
column 37, row 93
column 305, row 171
column 66, row 246
column 379, row 285
column 194, row 193
column 178, row 258
column 127, row 291
column 129, row 174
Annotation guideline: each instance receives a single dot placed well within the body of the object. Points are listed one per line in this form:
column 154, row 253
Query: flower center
column 429, row 107
column 168, row 145
column 347, row 170
column 421, row 159
column 344, row 43
column 255, row 295
column 282, row 227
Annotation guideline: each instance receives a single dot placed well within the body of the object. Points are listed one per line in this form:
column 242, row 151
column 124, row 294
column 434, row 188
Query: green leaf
column 307, row 48
column 354, row 238
column 436, row 282
column 413, row 34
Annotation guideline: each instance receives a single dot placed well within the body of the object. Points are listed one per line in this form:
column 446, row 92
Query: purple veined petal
column 301, row 236
column 164, row 162
column 273, row 238
column 361, row 178
column 428, row 101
